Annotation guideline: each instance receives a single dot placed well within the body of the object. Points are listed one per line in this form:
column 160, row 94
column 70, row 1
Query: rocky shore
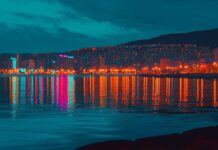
column 196, row 139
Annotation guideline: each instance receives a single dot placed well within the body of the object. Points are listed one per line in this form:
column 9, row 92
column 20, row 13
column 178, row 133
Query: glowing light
column 14, row 63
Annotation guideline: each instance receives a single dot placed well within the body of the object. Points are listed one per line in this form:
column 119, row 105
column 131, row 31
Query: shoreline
column 200, row 138
column 192, row 76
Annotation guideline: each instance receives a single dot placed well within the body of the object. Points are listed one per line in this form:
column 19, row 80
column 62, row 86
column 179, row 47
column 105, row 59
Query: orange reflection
column 168, row 90
column 92, row 89
column 185, row 90
column 14, row 90
column 155, row 91
column 198, row 91
column 181, row 90
column 125, row 89
column 145, row 90
column 183, row 85
column 133, row 90
column 103, row 90
column 215, row 93
column 202, row 93
column 114, row 88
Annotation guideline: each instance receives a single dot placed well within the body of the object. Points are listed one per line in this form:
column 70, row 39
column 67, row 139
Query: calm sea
column 65, row 112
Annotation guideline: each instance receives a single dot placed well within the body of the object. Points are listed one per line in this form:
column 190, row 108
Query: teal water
column 65, row 112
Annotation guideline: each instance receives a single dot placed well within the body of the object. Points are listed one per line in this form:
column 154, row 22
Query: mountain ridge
column 203, row 38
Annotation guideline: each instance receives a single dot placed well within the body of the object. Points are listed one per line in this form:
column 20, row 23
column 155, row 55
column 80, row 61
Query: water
column 65, row 112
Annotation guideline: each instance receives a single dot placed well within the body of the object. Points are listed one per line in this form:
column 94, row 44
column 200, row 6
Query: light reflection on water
column 53, row 112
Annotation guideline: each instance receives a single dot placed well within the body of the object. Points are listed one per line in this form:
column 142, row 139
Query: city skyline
column 43, row 26
column 108, row 74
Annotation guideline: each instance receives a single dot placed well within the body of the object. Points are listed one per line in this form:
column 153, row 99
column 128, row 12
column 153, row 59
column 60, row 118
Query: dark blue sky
column 60, row 25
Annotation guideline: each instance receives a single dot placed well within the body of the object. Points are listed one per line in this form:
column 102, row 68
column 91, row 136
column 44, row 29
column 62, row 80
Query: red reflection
column 155, row 91
column 115, row 90
column 215, row 93
column 145, row 90
column 63, row 87
column 133, row 90
column 103, row 90
column 125, row 89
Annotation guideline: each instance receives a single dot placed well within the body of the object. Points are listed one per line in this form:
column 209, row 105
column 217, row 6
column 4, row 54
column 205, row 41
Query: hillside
column 204, row 38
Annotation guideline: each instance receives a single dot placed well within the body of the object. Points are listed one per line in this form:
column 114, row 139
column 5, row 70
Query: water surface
column 65, row 112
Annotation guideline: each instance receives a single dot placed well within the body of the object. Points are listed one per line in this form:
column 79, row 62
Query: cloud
column 36, row 40
column 25, row 39
column 59, row 25
column 52, row 16
column 160, row 16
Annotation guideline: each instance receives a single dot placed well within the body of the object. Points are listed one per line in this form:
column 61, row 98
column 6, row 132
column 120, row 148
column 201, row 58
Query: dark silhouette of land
column 200, row 139
column 204, row 38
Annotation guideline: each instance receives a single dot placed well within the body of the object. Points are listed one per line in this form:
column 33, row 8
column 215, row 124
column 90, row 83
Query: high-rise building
column 216, row 54
column 14, row 62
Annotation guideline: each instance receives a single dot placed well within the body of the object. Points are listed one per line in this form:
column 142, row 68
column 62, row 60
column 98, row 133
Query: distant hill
column 204, row 38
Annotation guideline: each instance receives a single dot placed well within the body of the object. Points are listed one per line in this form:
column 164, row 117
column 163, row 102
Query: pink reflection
column 63, row 96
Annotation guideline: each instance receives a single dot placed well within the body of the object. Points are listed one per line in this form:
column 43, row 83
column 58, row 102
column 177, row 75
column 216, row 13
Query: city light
column 92, row 61
column 181, row 69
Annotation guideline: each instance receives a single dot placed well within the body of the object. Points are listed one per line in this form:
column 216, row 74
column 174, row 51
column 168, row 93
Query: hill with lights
column 203, row 38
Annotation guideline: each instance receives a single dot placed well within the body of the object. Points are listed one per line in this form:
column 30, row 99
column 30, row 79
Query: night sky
column 58, row 25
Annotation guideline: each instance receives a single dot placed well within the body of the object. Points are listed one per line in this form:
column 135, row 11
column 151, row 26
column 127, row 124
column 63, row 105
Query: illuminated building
column 64, row 61
column 31, row 64
column 216, row 54
column 14, row 63
column 102, row 62
column 164, row 63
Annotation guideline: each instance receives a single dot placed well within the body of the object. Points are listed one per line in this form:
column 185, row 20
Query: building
column 216, row 54
column 31, row 64
column 164, row 63
column 102, row 62
column 14, row 63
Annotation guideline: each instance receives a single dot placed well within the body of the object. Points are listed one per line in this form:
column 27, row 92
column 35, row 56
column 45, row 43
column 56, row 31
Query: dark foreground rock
column 197, row 139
